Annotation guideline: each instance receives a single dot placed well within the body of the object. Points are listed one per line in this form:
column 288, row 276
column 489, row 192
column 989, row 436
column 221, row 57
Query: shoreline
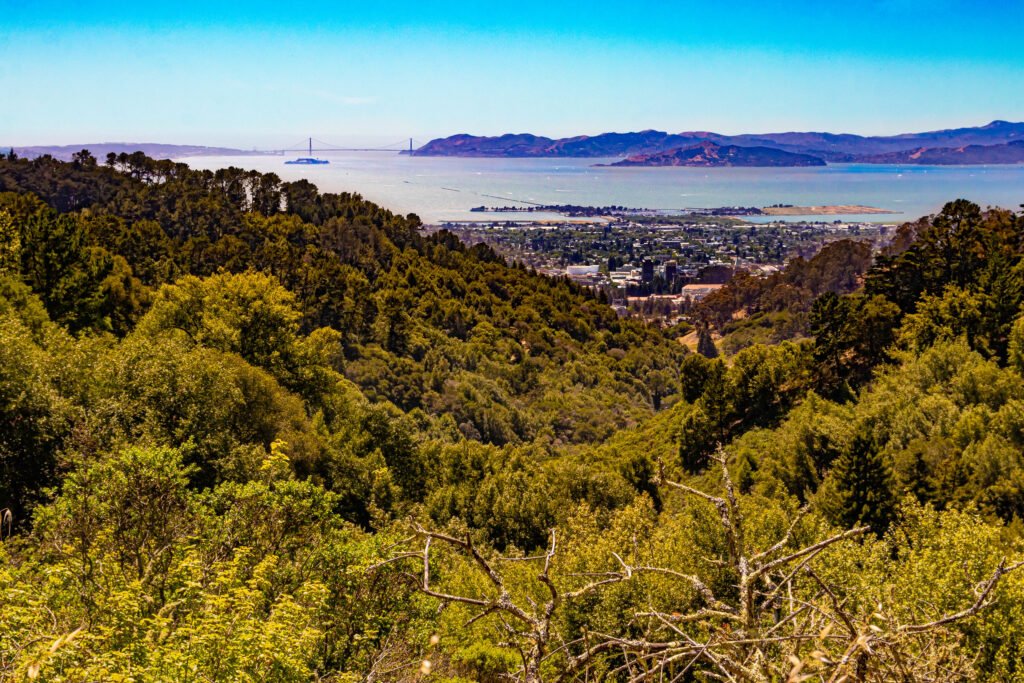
column 825, row 210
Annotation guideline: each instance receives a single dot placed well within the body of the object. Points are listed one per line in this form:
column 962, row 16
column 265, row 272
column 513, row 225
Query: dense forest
column 250, row 431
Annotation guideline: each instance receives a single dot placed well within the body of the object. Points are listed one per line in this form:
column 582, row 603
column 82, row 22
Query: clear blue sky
column 259, row 73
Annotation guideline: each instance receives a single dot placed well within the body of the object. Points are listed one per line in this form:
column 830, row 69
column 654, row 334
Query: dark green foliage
column 759, row 387
column 705, row 344
column 423, row 321
column 34, row 417
column 961, row 249
column 949, row 249
column 851, row 336
column 82, row 285
column 957, row 274
column 695, row 372
column 640, row 473
column 859, row 489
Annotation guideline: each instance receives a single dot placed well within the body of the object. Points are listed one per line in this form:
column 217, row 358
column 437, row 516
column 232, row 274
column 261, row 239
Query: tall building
column 671, row 273
column 647, row 270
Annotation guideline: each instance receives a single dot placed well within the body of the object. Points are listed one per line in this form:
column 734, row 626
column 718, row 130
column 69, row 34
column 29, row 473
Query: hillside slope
column 709, row 155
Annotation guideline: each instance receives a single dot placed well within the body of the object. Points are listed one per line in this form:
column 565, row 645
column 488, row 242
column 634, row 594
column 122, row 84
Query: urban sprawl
column 652, row 265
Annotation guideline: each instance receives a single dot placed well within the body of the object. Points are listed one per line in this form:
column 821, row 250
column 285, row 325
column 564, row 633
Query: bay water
column 446, row 188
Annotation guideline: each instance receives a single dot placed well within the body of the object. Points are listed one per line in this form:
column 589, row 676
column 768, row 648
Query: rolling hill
column 708, row 154
column 831, row 147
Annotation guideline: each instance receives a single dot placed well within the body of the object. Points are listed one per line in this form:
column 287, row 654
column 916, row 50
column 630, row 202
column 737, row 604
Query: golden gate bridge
column 311, row 145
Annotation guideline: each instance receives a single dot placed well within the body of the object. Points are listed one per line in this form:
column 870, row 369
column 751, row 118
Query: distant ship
column 310, row 160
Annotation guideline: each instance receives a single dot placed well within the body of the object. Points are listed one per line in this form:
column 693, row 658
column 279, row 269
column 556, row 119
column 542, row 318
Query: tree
column 34, row 417
column 529, row 625
column 10, row 245
column 764, row 380
column 706, row 425
column 705, row 344
column 252, row 315
column 828, row 324
column 956, row 313
column 852, row 335
column 694, row 372
column 1016, row 345
column 761, row 630
column 83, row 158
column 83, row 286
column 859, row 488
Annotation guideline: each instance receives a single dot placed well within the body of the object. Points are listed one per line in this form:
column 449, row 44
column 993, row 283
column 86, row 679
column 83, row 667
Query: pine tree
column 860, row 490
column 919, row 478
column 705, row 345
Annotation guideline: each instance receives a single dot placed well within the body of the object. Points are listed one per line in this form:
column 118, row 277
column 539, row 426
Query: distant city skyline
column 267, row 73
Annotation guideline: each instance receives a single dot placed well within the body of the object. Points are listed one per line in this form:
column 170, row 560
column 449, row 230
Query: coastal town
column 655, row 265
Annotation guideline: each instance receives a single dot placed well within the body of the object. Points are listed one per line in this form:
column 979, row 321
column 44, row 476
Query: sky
column 266, row 74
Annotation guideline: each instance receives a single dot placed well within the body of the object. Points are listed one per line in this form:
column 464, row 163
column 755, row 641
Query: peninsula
column 709, row 154
column 827, row 210
column 689, row 214
column 970, row 155
column 153, row 150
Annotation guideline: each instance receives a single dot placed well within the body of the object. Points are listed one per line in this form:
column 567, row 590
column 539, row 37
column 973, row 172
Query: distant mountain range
column 1000, row 142
column 989, row 144
column 1010, row 153
column 153, row 150
column 708, row 154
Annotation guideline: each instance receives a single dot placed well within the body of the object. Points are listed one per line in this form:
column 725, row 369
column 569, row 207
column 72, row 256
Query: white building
column 582, row 270
column 698, row 292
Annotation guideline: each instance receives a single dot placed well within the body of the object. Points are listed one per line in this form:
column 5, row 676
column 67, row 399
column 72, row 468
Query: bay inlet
column 445, row 189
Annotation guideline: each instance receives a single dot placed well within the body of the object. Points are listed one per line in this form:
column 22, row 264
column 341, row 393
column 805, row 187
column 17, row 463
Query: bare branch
column 695, row 581
column 801, row 513
column 765, row 568
column 979, row 604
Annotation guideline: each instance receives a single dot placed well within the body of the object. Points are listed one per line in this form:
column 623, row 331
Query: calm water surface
column 439, row 189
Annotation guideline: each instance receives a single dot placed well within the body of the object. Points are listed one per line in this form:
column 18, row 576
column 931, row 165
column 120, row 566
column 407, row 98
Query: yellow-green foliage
column 132, row 575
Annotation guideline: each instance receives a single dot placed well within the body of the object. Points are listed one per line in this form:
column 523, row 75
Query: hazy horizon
column 277, row 142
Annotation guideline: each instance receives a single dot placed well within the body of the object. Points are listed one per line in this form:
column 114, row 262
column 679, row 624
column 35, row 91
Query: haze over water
column 440, row 189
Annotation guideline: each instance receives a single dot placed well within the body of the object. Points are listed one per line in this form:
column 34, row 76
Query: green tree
column 852, row 336
column 694, row 371
column 859, row 488
column 10, row 245
column 34, row 417
column 83, row 286
column 252, row 315
column 1016, row 345
column 705, row 344
column 956, row 313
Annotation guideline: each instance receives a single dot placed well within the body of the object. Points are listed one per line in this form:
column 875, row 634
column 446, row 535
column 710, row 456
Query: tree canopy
column 251, row 431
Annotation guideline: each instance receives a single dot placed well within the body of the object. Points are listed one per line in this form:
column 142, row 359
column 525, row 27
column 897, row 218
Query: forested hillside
column 253, row 432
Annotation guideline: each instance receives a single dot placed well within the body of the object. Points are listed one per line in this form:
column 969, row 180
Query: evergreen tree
column 919, row 478
column 694, row 372
column 859, row 490
column 10, row 245
column 705, row 344
column 827, row 323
